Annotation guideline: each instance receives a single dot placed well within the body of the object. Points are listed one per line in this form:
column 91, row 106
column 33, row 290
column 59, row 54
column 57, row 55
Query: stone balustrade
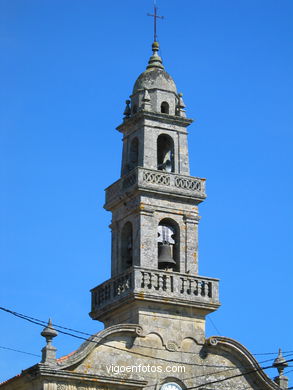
column 143, row 178
column 142, row 282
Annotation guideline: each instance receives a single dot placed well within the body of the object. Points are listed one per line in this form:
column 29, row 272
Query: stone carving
column 196, row 287
column 102, row 294
column 212, row 341
column 112, row 191
column 122, row 284
column 139, row 330
column 156, row 283
column 129, row 180
column 188, row 184
column 147, row 178
column 156, row 178
column 172, row 346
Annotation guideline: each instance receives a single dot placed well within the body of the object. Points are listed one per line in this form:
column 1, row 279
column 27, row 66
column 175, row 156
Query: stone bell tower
column 154, row 205
column 155, row 304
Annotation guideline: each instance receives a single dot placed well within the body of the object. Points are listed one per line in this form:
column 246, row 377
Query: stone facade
column 155, row 304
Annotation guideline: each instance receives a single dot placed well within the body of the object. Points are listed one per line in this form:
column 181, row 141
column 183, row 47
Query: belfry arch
column 126, row 246
column 168, row 245
column 165, row 153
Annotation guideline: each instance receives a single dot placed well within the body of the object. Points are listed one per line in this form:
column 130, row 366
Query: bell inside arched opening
column 168, row 245
column 165, row 153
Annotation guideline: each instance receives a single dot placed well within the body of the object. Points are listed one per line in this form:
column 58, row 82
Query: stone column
column 191, row 244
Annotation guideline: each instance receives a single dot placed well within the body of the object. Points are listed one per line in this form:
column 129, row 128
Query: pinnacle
column 155, row 60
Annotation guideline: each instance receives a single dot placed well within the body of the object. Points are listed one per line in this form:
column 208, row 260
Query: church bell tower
column 154, row 205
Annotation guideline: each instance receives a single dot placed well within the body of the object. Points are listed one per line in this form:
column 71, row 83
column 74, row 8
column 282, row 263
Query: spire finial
column 49, row 352
column 155, row 16
column 280, row 363
column 155, row 61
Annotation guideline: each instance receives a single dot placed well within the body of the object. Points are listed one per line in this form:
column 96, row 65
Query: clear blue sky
column 67, row 67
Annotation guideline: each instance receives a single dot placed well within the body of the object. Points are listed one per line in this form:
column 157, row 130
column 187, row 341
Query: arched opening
column 126, row 246
column 165, row 108
column 168, row 245
column 133, row 154
column 165, row 153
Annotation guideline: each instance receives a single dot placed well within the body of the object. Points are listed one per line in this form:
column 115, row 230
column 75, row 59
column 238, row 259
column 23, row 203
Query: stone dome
column 155, row 76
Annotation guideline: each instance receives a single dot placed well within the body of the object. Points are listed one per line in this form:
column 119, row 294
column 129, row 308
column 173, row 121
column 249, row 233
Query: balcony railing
column 142, row 282
column 157, row 180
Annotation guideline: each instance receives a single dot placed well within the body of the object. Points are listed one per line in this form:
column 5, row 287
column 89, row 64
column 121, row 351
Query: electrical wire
column 270, row 353
column 41, row 323
column 214, row 326
column 231, row 377
column 45, row 323
column 219, row 380
column 16, row 350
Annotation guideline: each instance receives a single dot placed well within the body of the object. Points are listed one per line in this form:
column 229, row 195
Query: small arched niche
column 168, row 245
column 165, row 153
column 165, row 108
column 126, row 246
column 133, row 154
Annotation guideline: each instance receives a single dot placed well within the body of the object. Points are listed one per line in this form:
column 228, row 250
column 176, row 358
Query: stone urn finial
column 49, row 351
column 280, row 364
column 127, row 110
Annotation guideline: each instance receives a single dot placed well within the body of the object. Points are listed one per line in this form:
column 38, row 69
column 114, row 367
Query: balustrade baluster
column 197, row 287
column 189, row 284
column 209, row 289
column 164, row 282
column 182, row 285
column 203, row 289
column 143, row 277
column 171, row 283
column 158, row 282
column 150, row 283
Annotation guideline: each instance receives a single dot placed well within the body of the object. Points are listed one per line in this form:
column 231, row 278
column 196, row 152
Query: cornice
column 234, row 348
column 154, row 116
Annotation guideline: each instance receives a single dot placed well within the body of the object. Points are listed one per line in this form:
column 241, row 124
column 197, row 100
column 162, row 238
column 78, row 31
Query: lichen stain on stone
column 87, row 367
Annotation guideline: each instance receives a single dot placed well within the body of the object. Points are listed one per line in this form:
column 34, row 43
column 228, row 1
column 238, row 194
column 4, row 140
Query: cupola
column 158, row 86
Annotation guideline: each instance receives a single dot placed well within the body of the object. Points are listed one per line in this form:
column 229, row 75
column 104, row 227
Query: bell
column 165, row 257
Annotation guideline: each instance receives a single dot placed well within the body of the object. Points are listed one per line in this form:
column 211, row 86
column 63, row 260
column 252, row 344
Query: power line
column 42, row 323
column 227, row 368
column 213, row 324
column 221, row 380
column 45, row 323
column 16, row 350
column 271, row 353
column 231, row 377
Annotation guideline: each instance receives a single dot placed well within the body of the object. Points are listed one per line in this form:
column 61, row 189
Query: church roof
column 155, row 76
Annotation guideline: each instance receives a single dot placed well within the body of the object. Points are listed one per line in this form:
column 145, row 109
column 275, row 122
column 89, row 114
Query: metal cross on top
column 156, row 16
